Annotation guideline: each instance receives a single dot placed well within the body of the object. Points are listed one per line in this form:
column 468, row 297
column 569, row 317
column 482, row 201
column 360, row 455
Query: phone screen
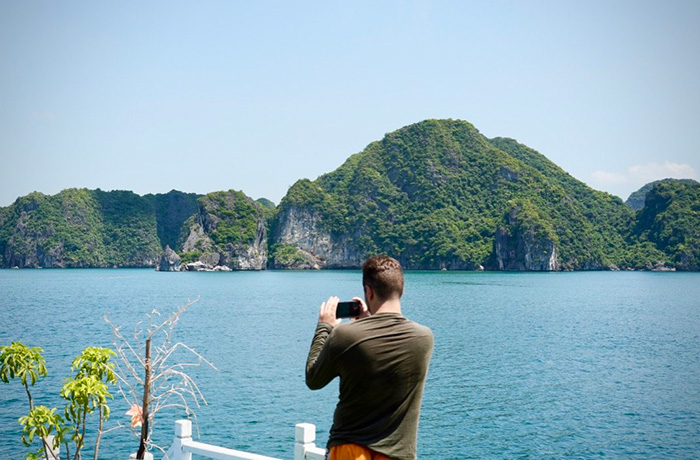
column 348, row 309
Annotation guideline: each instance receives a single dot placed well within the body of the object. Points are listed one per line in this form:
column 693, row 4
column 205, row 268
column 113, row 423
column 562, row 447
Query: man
column 382, row 360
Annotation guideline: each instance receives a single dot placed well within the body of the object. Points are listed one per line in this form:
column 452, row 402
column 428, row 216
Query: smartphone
column 348, row 309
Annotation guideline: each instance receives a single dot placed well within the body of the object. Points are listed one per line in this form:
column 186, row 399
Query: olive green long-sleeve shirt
column 382, row 362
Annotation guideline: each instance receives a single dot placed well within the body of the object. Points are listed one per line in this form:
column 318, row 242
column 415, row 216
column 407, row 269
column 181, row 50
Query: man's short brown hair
column 384, row 275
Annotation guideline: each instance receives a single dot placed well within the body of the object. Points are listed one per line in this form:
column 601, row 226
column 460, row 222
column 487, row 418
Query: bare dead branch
column 114, row 428
column 152, row 444
column 170, row 385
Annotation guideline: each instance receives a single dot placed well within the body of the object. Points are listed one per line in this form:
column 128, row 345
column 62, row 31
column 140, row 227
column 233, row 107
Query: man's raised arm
column 320, row 368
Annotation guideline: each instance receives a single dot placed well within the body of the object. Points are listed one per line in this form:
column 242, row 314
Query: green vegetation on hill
column 172, row 210
column 265, row 203
column 282, row 255
column 3, row 236
column 589, row 223
column 229, row 229
column 130, row 234
column 432, row 194
column 436, row 194
column 59, row 230
column 88, row 228
column 231, row 217
column 636, row 199
column 670, row 221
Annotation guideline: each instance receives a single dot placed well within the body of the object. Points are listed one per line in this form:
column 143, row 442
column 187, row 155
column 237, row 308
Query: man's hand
column 364, row 311
column 327, row 312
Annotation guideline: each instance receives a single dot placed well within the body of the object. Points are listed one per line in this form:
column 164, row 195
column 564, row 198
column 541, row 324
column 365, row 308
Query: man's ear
column 369, row 293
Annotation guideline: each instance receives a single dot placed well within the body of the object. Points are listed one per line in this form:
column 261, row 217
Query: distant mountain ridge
column 436, row 195
column 670, row 222
column 91, row 228
column 636, row 199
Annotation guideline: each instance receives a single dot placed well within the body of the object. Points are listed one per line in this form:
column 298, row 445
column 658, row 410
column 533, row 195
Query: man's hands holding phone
column 327, row 313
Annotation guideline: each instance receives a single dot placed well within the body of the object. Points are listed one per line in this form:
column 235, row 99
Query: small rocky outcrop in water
column 660, row 267
column 200, row 266
column 169, row 261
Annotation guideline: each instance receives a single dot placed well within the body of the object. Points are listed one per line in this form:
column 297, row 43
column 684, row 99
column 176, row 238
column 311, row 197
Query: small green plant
column 19, row 361
column 85, row 393
column 42, row 422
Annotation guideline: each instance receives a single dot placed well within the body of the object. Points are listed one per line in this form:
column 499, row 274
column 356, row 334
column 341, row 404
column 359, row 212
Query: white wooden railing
column 184, row 447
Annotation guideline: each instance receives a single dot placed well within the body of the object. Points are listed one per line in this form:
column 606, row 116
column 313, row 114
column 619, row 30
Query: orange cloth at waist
column 355, row 452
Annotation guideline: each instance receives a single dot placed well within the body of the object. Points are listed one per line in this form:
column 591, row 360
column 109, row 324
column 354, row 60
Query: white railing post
column 305, row 443
column 304, row 436
column 52, row 453
column 183, row 434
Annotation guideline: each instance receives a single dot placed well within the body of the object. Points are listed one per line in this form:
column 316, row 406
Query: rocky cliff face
column 29, row 249
column 525, row 241
column 25, row 245
column 521, row 249
column 308, row 244
column 248, row 257
column 227, row 230
column 301, row 242
column 196, row 239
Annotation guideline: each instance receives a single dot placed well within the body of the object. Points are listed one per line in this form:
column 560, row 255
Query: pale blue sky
column 205, row 96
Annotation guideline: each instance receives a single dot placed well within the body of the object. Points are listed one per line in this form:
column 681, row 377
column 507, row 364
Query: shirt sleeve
column 320, row 365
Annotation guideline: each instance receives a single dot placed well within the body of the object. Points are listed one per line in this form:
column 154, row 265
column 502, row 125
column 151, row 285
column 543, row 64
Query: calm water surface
column 527, row 365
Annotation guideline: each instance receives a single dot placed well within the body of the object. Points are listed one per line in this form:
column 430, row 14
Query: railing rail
column 183, row 447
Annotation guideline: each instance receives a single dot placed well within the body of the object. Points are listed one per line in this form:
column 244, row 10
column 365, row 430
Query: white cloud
column 609, row 178
column 653, row 171
column 639, row 175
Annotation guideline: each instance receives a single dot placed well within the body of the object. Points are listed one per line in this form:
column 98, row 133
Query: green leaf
column 19, row 360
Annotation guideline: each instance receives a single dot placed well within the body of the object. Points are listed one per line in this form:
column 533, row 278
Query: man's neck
column 389, row 306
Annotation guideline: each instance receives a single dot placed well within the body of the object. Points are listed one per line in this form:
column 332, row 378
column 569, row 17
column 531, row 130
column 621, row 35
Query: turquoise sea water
column 528, row 365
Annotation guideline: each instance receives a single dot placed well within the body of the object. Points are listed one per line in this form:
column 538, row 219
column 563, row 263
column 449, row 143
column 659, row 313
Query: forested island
column 435, row 195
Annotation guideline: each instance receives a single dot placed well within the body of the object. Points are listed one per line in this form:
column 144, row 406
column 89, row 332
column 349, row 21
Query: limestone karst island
column 435, row 195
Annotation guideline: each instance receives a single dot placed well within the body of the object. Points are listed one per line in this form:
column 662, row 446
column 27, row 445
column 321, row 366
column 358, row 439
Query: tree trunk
column 99, row 434
column 146, row 396
column 29, row 395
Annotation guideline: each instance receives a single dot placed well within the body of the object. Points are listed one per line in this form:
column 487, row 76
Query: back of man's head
column 384, row 275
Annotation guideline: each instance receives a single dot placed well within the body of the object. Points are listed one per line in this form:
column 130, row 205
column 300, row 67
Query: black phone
column 348, row 309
